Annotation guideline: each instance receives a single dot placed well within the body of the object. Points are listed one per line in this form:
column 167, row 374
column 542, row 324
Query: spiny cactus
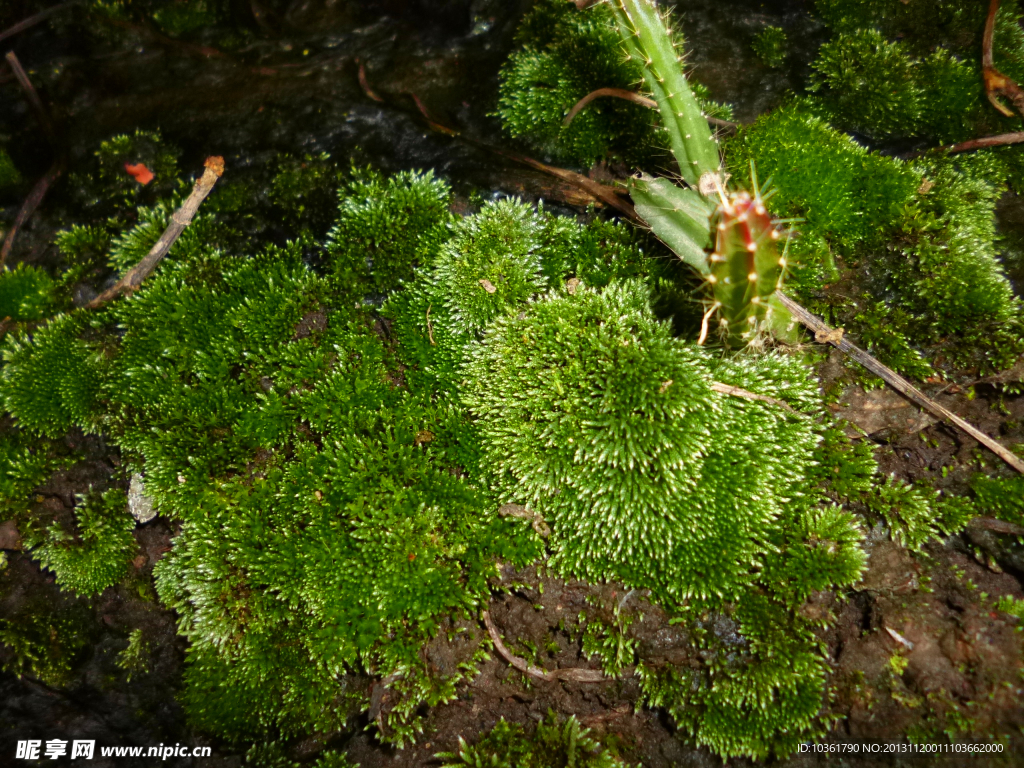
column 746, row 267
column 648, row 40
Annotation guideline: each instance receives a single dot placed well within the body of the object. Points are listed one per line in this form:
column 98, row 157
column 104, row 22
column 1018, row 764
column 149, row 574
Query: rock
column 881, row 409
column 139, row 504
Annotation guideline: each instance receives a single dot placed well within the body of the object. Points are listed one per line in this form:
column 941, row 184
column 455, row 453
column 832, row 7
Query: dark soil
column 964, row 669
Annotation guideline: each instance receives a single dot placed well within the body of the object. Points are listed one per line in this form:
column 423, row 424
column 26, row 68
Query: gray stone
column 139, row 504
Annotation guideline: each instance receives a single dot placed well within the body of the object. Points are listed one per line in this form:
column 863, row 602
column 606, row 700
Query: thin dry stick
column 365, row 84
column 894, row 380
column 636, row 98
column 182, row 218
column 33, row 98
column 29, row 207
column 570, row 675
column 31, row 21
column 729, row 389
column 999, row 140
column 996, row 83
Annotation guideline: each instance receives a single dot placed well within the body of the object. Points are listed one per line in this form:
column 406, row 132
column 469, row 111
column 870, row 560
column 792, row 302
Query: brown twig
column 29, row 206
column 897, row 382
column 728, row 389
column 999, row 140
column 635, row 98
column 996, row 83
column 133, row 278
column 365, row 84
column 595, row 190
column 33, row 97
column 569, row 675
column 31, row 21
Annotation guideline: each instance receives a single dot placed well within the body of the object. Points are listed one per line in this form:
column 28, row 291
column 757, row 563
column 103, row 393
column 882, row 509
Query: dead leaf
column 829, row 337
column 139, row 172
column 488, row 285
column 881, row 409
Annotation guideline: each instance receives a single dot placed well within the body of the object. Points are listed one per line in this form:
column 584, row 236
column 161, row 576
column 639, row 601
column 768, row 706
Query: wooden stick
column 996, row 83
column 31, row 21
column 570, row 675
column 729, row 389
column 824, row 332
column 29, row 206
column 999, row 140
column 182, row 218
column 636, row 98
column 33, row 97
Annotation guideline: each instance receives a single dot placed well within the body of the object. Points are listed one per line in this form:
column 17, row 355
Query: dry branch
column 636, row 98
column 569, row 675
column 133, row 278
column 31, row 21
column 29, row 206
column 996, row 83
column 33, row 97
column 729, row 389
column 897, row 382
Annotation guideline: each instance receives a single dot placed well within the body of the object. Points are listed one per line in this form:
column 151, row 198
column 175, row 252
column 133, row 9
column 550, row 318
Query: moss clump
column 49, row 380
column 45, row 640
column 591, row 413
column 555, row 744
column 920, row 235
column 1000, row 497
column 495, row 260
column 880, row 89
column 895, row 71
column 98, row 553
column 26, row 294
column 384, row 227
column 770, row 46
column 10, row 177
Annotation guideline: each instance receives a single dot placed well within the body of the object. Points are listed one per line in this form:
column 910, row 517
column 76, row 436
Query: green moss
column 49, row 381
column 917, row 514
column 842, row 191
column 770, row 45
column 1000, row 497
column 556, row 743
column 46, row 640
column 10, row 177
column 98, row 553
column 880, row 89
column 134, row 659
column 577, row 392
column 184, row 16
column 305, row 189
column 385, row 227
column 937, row 280
column 26, row 293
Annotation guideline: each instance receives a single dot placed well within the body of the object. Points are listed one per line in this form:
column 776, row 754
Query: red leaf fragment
column 139, row 172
